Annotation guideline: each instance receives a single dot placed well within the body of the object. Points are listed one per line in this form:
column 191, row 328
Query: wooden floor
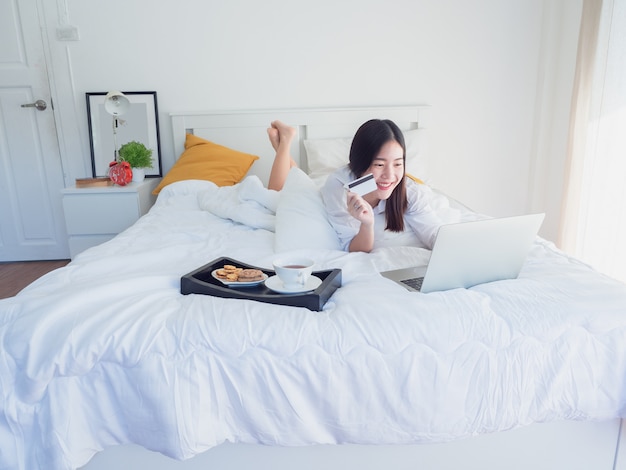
column 15, row 276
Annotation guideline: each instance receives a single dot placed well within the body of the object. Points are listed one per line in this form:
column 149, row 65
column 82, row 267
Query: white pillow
column 301, row 218
column 326, row 155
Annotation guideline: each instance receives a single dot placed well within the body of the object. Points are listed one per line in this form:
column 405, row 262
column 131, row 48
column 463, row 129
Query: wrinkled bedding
column 107, row 351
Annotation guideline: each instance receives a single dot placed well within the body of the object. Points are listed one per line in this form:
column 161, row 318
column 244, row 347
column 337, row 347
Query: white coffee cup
column 293, row 271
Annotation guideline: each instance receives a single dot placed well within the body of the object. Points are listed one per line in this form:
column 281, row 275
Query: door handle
column 41, row 105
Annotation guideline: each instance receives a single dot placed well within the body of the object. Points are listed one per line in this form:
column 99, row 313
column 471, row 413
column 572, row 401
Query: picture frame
column 140, row 123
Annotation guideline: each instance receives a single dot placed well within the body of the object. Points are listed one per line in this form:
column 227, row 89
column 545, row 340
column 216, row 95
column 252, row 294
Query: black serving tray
column 200, row 281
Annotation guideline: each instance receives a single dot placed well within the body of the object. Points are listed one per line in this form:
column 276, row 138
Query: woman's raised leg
column 281, row 135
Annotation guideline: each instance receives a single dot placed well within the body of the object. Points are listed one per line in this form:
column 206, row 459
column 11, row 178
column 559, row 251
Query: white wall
column 488, row 68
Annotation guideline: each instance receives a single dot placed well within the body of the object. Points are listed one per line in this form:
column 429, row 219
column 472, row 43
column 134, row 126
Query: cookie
column 250, row 275
column 231, row 273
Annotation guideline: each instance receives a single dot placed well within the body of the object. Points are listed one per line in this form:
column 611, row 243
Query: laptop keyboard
column 415, row 283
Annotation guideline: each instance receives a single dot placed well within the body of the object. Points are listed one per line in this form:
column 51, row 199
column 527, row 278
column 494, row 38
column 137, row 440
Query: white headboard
column 246, row 130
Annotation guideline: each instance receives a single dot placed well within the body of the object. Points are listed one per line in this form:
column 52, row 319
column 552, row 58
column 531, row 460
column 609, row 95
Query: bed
column 105, row 364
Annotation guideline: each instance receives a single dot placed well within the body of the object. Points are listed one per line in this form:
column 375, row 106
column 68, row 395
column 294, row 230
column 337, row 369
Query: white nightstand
column 95, row 215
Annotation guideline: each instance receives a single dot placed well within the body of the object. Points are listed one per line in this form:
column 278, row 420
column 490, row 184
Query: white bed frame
column 246, row 130
column 552, row 446
column 571, row 445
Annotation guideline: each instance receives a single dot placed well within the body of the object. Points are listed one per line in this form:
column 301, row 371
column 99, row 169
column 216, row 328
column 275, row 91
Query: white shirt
column 425, row 213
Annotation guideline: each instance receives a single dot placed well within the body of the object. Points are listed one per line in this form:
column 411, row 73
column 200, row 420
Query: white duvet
column 107, row 351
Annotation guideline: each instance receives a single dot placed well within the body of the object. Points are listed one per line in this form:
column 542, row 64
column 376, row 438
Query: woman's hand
column 360, row 209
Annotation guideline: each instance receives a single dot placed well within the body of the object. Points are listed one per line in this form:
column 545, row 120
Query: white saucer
column 274, row 283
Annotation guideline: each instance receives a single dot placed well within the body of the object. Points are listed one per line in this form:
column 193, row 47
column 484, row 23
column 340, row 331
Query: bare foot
column 272, row 132
column 286, row 133
column 281, row 135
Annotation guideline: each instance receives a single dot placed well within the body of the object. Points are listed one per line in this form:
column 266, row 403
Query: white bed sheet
column 107, row 351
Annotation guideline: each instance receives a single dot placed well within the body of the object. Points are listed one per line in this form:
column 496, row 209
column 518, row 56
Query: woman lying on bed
column 399, row 212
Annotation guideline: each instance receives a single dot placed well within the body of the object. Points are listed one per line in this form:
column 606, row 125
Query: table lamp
column 116, row 104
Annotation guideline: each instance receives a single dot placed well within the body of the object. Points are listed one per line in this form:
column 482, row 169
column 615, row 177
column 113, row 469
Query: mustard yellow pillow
column 414, row 178
column 205, row 160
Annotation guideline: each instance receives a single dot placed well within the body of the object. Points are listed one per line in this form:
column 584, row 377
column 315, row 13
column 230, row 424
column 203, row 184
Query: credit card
column 363, row 185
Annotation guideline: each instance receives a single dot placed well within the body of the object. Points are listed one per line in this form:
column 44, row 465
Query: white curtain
column 593, row 225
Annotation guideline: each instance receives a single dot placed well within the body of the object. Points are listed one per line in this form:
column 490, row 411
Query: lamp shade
column 116, row 103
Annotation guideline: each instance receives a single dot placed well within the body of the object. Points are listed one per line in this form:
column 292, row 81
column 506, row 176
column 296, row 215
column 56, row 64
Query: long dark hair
column 366, row 145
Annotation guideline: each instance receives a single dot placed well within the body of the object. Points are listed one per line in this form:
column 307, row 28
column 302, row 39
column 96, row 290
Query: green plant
column 136, row 154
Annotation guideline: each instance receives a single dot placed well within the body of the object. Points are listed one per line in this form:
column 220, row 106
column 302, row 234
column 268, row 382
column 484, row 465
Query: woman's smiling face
column 388, row 170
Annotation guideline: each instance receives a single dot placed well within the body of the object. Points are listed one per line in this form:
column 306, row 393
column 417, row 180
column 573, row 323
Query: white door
column 31, row 177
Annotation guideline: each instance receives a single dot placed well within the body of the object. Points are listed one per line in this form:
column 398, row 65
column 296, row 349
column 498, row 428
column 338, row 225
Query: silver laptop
column 469, row 253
